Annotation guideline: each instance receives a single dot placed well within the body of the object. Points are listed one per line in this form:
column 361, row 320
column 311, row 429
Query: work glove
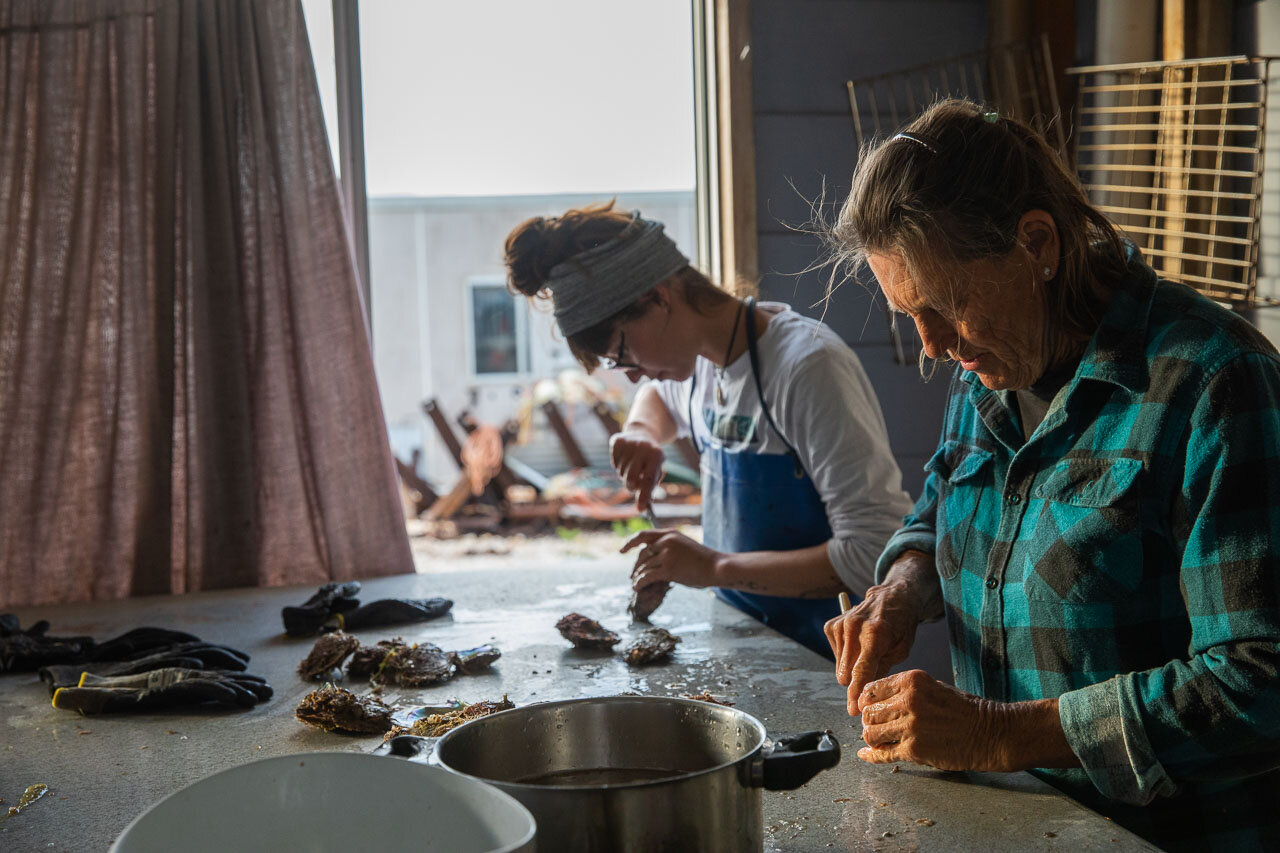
column 138, row 642
column 27, row 651
column 172, row 687
column 394, row 611
column 192, row 655
column 310, row 617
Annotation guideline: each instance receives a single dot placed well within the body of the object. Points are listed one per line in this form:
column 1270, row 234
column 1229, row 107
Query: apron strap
column 693, row 430
column 755, row 373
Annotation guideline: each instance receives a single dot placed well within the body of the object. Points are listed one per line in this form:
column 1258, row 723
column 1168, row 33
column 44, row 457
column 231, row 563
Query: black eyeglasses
column 615, row 362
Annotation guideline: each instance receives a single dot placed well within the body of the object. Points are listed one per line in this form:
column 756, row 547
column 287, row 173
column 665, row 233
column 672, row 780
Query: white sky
column 497, row 97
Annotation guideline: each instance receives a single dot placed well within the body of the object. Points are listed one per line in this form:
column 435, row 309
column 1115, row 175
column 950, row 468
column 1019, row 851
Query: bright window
column 475, row 117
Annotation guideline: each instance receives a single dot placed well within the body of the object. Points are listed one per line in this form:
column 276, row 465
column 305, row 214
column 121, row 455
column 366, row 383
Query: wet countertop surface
column 103, row 771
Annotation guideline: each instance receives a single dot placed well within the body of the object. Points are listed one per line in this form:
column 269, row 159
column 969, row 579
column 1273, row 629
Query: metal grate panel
column 1172, row 152
column 1016, row 79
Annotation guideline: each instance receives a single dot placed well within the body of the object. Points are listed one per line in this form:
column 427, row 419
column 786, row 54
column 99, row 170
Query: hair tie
column 991, row 117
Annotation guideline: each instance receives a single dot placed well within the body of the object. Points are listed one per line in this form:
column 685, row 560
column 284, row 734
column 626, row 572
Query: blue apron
column 765, row 502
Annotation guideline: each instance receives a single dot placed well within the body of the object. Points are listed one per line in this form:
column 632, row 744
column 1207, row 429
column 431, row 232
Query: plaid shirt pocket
column 1087, row 540
column 958, row 467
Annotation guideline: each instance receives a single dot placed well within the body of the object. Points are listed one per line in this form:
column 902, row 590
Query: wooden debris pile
column 496, row 493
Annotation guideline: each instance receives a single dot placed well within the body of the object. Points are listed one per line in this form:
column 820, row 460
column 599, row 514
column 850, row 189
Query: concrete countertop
column 103, row 771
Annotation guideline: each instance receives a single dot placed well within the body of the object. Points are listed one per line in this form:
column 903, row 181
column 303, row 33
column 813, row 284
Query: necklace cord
column 733, row 336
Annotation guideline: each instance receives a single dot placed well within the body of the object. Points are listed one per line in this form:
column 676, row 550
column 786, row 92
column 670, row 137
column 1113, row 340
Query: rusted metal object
column 572, row 449
column 408, row 471
column 436, row 414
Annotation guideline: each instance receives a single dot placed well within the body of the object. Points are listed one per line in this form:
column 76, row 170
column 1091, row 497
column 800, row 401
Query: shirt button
column 992, row 583
column 1015, row 499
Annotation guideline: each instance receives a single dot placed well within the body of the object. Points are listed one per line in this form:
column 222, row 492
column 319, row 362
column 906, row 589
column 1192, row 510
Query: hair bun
column 529, row 255
column 537, row 245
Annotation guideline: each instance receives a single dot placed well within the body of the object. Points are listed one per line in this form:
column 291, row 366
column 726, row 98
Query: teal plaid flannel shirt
column 1124, row 560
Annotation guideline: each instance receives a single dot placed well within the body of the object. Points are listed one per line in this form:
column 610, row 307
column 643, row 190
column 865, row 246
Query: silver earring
column 1048, row 273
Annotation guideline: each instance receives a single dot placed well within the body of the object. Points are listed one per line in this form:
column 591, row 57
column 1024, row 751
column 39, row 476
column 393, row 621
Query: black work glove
column 163, row 688
column 27, row 651
column 138, row 642
column 310, row 617
column 193, row 655
column 395, row 611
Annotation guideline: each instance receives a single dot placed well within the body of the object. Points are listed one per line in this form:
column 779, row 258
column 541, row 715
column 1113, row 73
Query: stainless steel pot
column 632, row 773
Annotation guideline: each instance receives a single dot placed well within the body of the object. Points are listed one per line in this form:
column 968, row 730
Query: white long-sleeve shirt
column 824, row 405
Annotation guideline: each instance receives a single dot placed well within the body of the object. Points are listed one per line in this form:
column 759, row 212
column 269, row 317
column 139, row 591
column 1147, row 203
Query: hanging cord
column 720, row 369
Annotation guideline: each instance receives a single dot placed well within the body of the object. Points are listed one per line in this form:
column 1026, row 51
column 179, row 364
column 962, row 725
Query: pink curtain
column 187, row 396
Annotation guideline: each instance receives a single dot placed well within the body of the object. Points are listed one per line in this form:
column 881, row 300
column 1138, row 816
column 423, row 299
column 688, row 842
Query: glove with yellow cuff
column 192, row 655
column 159, row 689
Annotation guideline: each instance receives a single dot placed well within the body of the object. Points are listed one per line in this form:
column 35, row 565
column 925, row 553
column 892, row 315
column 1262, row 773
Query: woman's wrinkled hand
column 637, row 458
column 667, row 555
column 913, row 717
column 872, row 637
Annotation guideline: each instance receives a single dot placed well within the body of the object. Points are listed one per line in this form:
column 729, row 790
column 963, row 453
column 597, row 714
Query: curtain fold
column 187, row 396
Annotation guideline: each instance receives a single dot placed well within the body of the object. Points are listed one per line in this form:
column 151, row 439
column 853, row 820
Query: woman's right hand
column 874, row 636
column 637, row 458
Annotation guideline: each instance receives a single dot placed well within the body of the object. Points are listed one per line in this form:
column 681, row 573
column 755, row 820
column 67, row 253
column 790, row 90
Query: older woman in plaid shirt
column 1099, row 522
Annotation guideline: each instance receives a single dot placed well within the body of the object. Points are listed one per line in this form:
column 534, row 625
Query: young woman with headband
column 800, row 490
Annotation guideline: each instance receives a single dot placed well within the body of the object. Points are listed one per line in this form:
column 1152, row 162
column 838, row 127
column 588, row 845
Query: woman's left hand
column 911, row 716
column 666, row 555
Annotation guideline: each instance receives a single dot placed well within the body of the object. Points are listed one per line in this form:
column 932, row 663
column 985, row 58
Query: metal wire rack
column 1172, row 152
column 1016, row 79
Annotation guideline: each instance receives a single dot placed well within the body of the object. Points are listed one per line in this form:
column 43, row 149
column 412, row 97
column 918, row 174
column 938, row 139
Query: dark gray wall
column 803, row 51
column 1256, row 32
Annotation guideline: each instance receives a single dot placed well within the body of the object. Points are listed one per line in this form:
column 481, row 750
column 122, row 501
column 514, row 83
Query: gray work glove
column 193, row 655
column 159, row 689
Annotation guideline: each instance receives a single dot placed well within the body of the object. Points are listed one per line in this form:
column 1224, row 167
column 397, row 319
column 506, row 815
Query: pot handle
column 414, row 748
column 795, row 759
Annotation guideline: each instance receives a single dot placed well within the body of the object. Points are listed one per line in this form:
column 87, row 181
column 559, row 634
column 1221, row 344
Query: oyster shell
column 647, row 599
column 414, row 666
column 335, row 709
column 653, row 645
column 586, row 633
column 472, row 661
column 327, row 655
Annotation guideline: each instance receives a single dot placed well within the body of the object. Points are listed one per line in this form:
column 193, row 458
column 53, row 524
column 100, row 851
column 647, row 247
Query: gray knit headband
column 596, row 284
